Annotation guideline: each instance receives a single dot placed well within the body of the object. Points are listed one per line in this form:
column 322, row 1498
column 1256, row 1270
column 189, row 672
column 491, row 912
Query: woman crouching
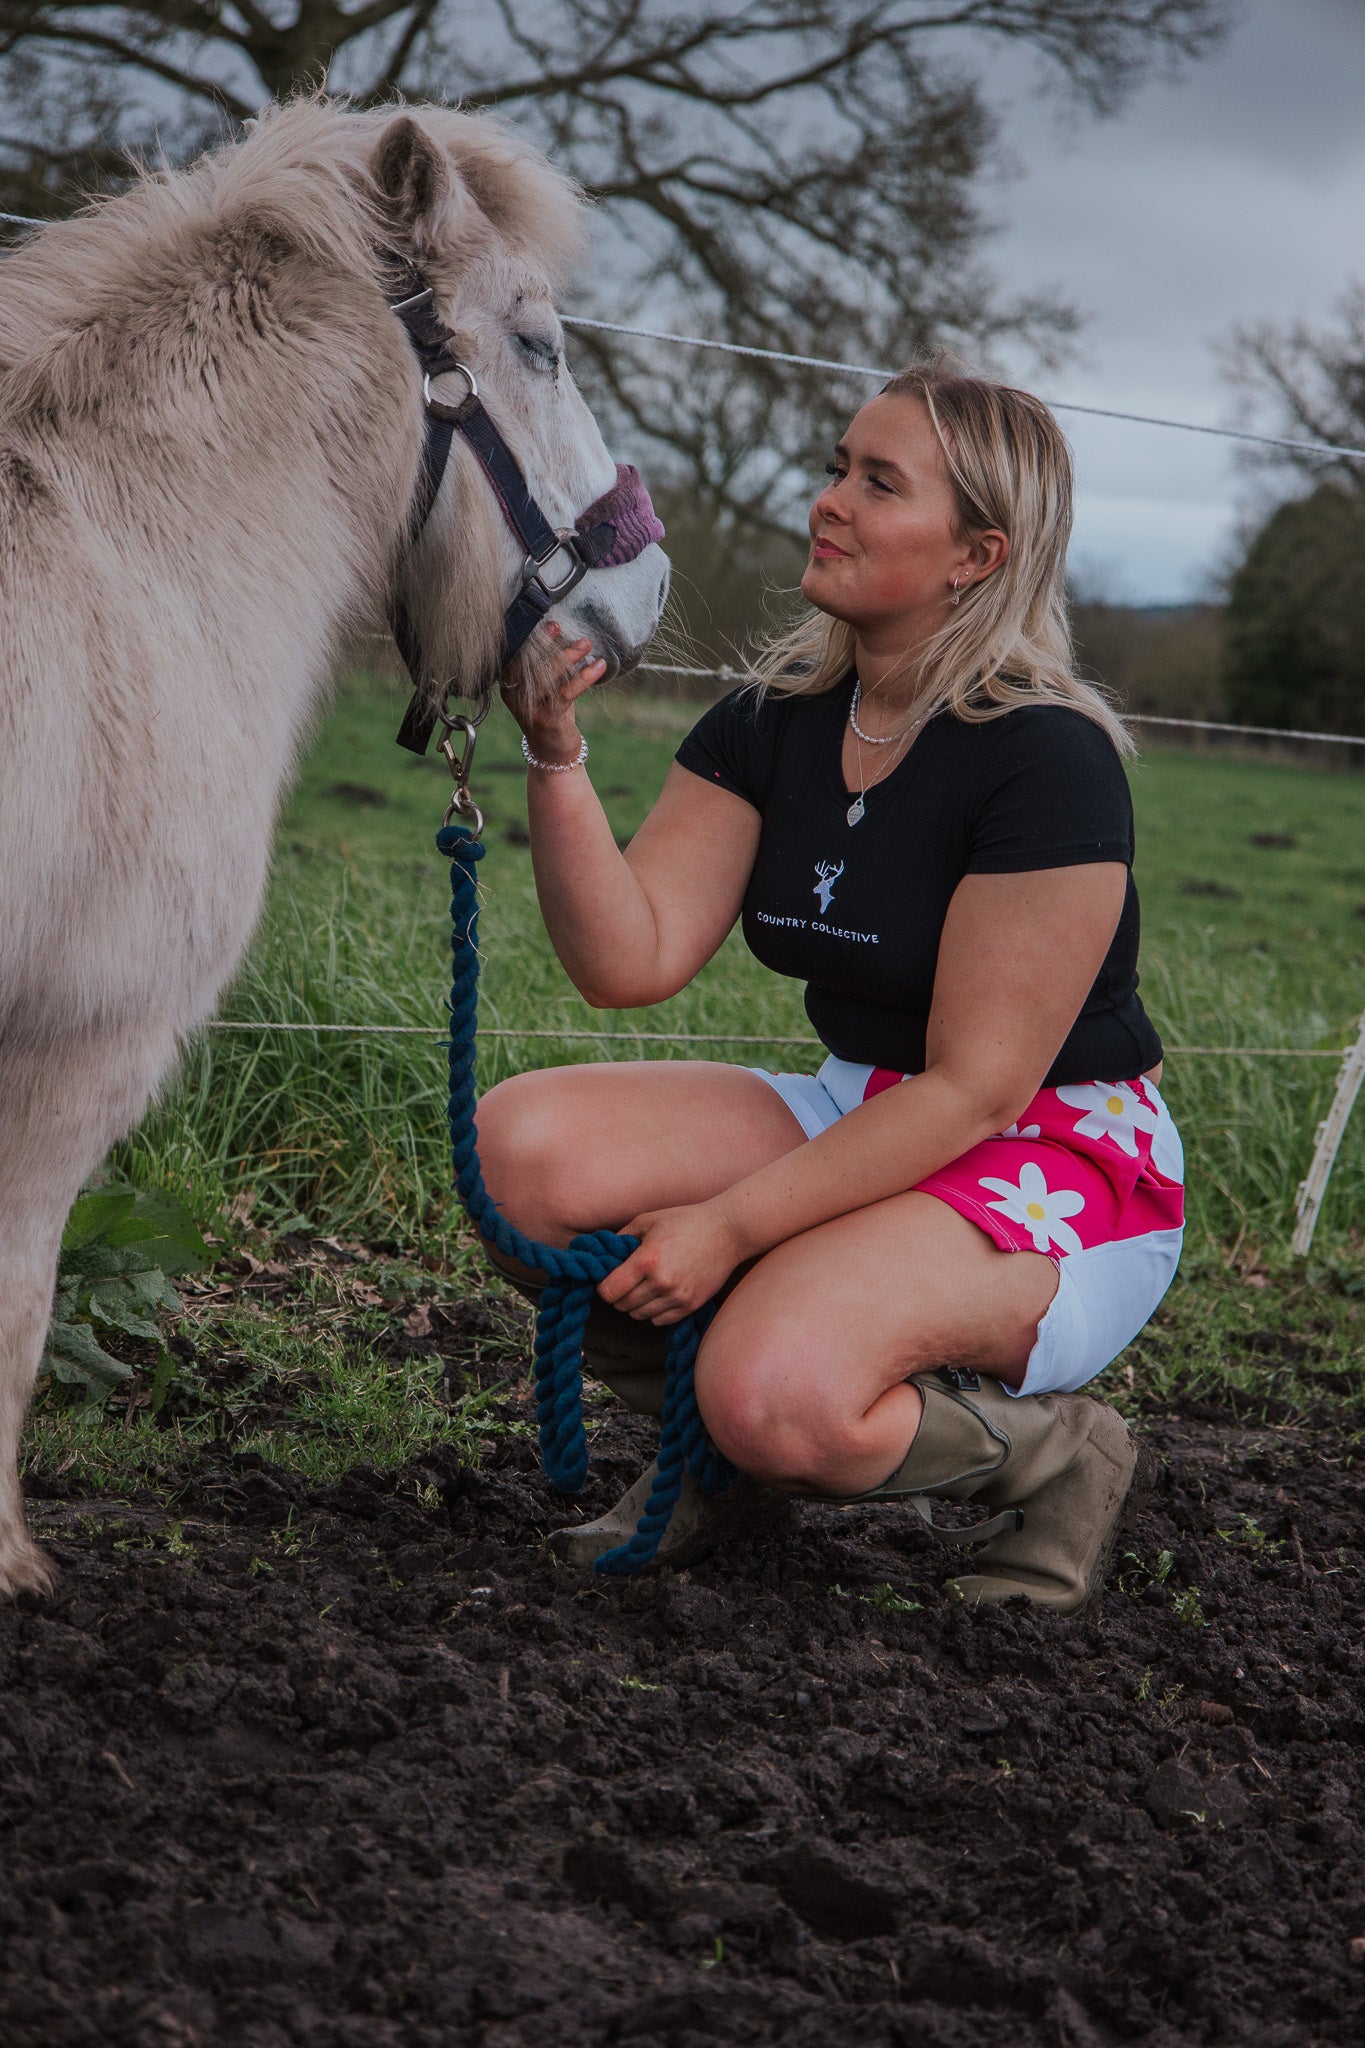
column 917, row 809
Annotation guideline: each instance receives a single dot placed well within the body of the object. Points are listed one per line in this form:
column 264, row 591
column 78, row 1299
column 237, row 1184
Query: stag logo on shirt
column 824, row 888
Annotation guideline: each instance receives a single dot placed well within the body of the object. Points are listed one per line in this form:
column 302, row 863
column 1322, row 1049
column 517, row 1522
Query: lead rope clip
column 462, row 805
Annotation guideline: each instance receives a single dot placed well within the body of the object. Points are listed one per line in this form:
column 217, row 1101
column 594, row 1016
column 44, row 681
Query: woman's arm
column 633, row 928
column 1018, row 957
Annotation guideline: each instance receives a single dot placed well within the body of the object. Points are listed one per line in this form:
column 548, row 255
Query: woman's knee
column 526, row 1154
column 507, row 1125
column 777, row 1429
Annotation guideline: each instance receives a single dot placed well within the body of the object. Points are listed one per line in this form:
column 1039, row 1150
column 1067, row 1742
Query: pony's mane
column 298, row 184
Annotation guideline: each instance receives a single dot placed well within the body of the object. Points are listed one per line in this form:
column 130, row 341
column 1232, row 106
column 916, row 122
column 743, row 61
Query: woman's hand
column 551, row 730
column 684, row 1257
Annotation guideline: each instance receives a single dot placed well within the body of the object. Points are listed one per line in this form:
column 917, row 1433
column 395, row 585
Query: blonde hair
column 1008, row 643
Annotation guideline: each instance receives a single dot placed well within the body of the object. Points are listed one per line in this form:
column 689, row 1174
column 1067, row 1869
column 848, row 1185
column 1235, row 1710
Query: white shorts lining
column 1105, row 1294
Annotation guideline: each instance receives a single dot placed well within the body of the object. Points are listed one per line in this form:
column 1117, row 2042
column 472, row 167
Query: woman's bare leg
column 566, row 1149
column 801, row 1377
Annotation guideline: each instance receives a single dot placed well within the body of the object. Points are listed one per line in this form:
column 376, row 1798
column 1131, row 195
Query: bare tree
column 793, row 174
column 1307, row 383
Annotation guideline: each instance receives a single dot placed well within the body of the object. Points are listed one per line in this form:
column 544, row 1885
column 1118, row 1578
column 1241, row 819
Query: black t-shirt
column 857, row 911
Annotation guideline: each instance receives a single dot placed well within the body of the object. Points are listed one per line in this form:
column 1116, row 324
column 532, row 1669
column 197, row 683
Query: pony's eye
column 540, row 351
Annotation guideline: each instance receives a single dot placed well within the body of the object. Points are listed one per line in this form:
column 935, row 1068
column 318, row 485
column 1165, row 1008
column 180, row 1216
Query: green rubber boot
column 1063, row 1469
column 628, row 1358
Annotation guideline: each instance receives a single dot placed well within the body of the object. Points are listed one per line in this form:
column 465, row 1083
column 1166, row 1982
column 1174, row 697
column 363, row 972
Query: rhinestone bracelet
column 555, row 767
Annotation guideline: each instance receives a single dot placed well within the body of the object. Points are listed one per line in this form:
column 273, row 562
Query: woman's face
column 883, row 550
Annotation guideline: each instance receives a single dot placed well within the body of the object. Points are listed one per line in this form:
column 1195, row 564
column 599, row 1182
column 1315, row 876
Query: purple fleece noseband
column 620, row 524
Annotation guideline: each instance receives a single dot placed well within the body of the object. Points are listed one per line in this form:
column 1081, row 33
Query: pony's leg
column 60, row 1110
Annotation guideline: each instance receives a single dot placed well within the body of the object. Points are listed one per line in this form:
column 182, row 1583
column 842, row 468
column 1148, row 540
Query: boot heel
column 701, row 1523
column 1146, row 1473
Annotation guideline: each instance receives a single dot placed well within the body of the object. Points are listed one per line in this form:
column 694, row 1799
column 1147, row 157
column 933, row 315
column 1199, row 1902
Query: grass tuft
column 347, row 1135
column 1253, row 895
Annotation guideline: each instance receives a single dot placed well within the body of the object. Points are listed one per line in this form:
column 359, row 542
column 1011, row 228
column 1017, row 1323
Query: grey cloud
column 1235, row 192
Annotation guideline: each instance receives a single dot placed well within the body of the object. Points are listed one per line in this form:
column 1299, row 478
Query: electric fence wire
column 726, row 674
column 1247, row 1052
column 1285, row 443
column 1100, row 412
column 775, row 355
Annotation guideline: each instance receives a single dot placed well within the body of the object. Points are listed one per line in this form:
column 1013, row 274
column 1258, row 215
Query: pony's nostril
column 663, row 592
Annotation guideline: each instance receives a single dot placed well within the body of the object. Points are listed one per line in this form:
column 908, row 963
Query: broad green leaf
column 118, row 1247
column 101, row 1260
column 163, row 1230
column 144, row 1225
column 114, row 1303
column 152, row 1289
column 68, row 1375
column 94, row 1214
column 94, row 1261
column 161, row 1382
column 77, row 1343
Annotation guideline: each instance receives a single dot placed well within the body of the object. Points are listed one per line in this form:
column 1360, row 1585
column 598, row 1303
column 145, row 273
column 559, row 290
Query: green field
column 305, row 1135
column 1245, row 944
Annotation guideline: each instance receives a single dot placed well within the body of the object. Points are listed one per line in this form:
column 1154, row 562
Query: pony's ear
column 410, row 171
column 537, row 211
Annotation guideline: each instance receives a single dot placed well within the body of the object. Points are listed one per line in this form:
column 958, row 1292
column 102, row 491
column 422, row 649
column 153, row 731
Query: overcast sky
column 1235, row 193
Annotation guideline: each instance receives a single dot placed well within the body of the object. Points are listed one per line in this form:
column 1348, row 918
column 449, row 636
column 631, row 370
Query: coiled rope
column 561, row 1320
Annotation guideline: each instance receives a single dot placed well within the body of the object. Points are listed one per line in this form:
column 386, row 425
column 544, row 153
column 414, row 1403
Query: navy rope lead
column 573, row 1273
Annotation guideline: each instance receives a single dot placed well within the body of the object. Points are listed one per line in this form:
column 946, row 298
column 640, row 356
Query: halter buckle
column 533, row 584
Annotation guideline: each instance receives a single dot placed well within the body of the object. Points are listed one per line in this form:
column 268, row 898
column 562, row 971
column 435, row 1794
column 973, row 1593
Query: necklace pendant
column 855, row 811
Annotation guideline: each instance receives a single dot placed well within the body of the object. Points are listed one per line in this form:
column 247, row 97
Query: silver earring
column 957, row 595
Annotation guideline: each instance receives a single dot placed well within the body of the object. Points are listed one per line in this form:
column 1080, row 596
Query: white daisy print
column 1029, row 1131
column 1043, row 1213
column 1113, row 1110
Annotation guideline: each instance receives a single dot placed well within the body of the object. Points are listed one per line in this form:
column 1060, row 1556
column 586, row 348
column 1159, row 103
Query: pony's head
column 493, row 227
column 215, row 348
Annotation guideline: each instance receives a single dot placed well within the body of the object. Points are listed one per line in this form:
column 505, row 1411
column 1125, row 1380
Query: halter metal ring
column 453, row 368
column 463, row 807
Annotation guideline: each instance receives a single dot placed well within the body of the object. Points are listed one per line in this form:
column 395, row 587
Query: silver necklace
column 857, row 810
column 888, row 739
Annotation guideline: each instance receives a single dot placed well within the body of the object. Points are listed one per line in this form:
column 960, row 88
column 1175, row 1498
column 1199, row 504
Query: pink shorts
column 1092, row 1175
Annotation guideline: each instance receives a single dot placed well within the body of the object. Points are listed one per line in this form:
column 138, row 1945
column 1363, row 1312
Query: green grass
column 332, row 1403
column 308, row 1363
column 309, row 1373
column 1273, row 1341
column 337, row 1133
column 345, row 1137
column 347, row 1134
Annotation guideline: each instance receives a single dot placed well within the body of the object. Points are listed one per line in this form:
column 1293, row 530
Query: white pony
column 211, row 429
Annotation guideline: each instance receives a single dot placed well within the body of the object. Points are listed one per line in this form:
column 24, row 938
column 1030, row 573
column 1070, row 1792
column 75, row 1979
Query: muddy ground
column 359, row 1764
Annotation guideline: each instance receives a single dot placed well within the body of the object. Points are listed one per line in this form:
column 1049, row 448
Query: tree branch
column 393, row 71
column 800, row 173
column 131, row 57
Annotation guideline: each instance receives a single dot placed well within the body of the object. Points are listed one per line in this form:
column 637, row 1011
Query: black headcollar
column 586, row 545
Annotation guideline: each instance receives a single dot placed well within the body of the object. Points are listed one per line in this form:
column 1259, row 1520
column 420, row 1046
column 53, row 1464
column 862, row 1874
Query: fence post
column 1331, row 1130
